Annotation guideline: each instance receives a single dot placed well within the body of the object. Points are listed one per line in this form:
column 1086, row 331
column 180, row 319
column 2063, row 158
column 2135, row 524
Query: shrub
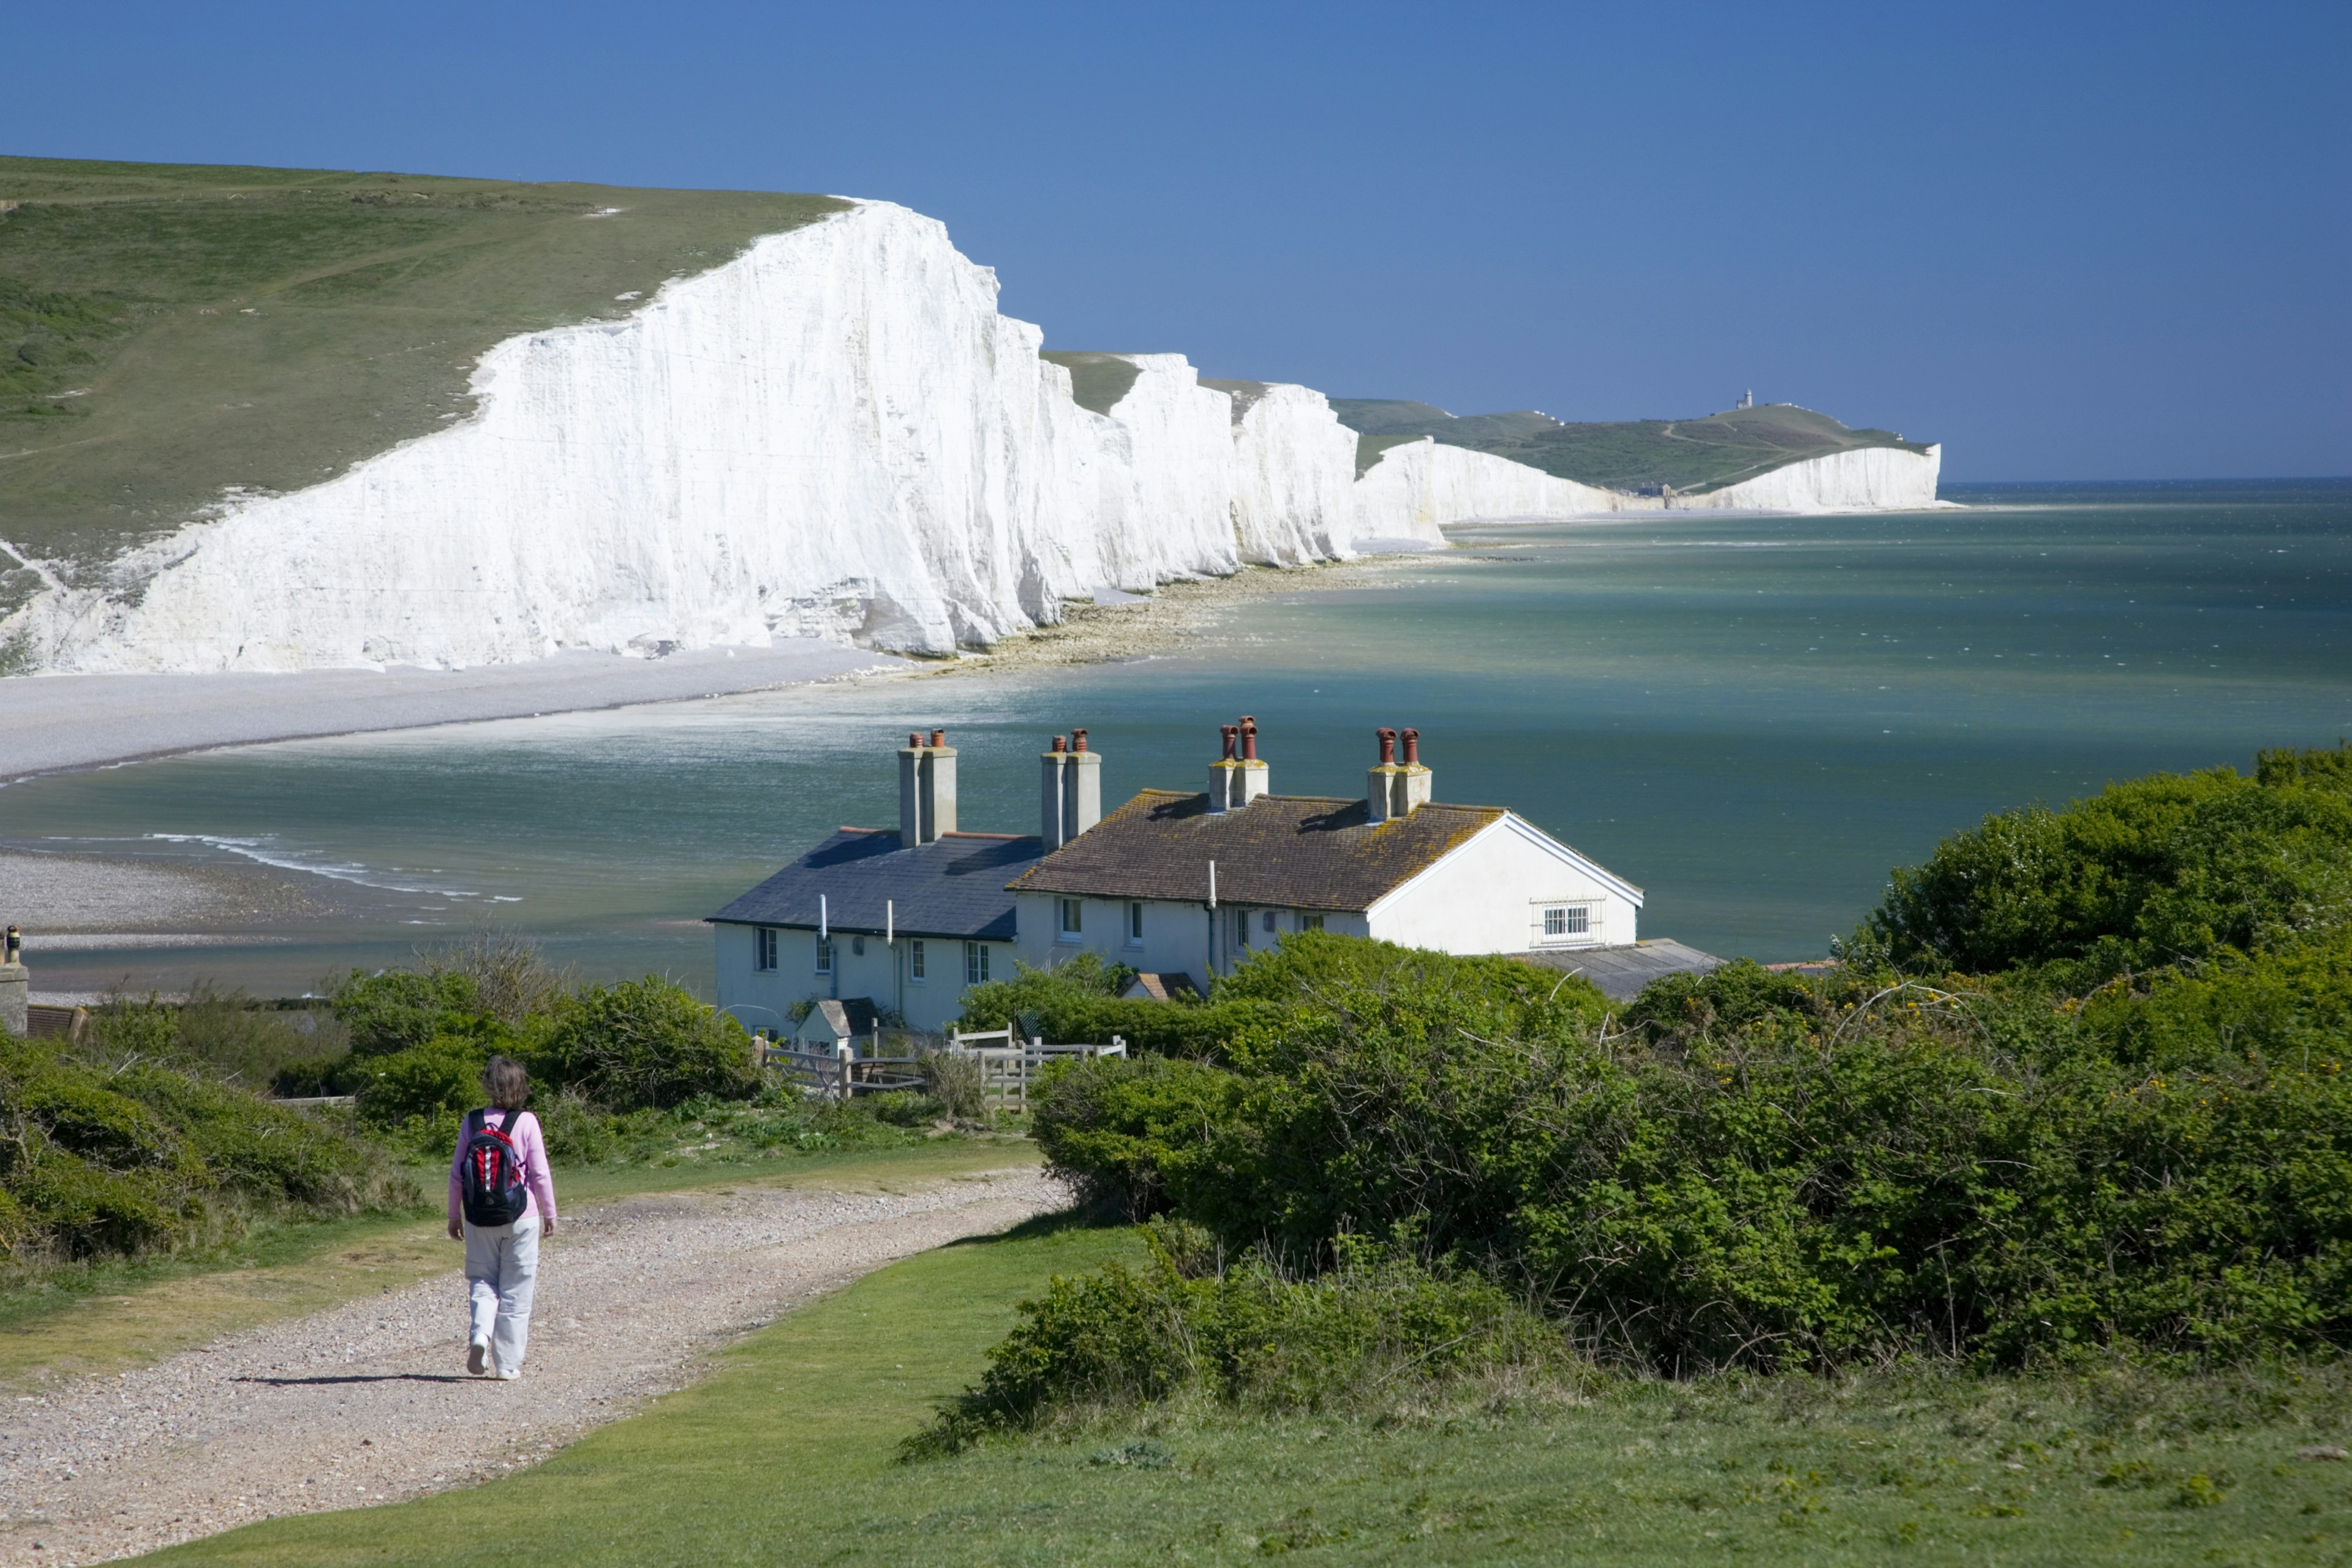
column 399, row 1009
column 645, row 1043
column 102, row 1160
column 957, row 1085
column 2158, row 870
column 1125, row 1132
column 437, row 1081
column 1377, row 1328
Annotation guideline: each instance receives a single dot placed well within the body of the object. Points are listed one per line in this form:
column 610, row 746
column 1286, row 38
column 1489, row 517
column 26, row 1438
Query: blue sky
column 2069, row 241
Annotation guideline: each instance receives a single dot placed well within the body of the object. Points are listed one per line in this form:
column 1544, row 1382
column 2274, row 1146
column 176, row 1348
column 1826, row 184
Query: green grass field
column 1639, row 454
column 786, row 1454
column 168, row 332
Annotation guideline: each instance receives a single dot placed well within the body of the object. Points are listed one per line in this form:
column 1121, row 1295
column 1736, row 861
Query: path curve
column 369, row 1402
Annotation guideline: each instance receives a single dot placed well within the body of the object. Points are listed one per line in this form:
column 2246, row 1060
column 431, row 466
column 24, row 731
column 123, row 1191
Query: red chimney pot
column 914, row 739
column 1249, row 739
column 1078, row 739
column 1387, row 739
column 1412, row 748
column 1229, row 732
column 1057, row 742
column 938, row 737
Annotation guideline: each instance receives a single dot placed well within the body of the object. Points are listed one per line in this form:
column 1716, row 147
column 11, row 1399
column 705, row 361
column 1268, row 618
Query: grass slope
column 1639, row 456
column 785, row 1455
column 168, row 332
column 1097, row 381
column 131, row 1313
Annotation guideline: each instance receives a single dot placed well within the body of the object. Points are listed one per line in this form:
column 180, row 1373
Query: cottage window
column 1241, row 928
column 763, row 947
column 824, row 956
column 915, row 960
column 975, row 964
column 1269, row 921
column 1564, row 922
column 1073, row 917
column 1310, row 922
column 1135, row 925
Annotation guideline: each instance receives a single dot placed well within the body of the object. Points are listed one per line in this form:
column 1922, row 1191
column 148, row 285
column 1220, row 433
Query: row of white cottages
column 1181, row 887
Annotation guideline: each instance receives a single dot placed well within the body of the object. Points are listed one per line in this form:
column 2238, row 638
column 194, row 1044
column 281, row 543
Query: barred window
column 975, row 964
column 915, row 959
column 763, row 947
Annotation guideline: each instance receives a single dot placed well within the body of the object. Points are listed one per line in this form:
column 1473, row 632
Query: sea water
column 1752, row 719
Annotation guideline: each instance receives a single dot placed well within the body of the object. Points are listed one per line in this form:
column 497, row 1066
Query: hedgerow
column 1778, row 1170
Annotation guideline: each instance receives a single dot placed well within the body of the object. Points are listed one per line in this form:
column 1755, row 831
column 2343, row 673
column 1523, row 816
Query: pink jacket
column 529, row 1144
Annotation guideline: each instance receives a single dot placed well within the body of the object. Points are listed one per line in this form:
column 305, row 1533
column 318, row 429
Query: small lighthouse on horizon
column 1747, row 399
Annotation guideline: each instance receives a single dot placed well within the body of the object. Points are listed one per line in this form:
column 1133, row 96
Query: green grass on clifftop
column 1636, row 455
column 168, row 332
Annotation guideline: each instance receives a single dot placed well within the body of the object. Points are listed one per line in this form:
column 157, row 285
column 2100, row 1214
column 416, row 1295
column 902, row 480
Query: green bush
column 1074, row 1002
column 399, row 1009
column 644, row 1043
column 437, row 1081
column 2164, row 869
column 1772, row 1170
column 103, row 1160
column 1375, row 1327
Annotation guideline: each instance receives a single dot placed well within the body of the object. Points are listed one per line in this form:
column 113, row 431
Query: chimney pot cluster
column 1069, row 790
column 1393, row 788
column 1235, row 780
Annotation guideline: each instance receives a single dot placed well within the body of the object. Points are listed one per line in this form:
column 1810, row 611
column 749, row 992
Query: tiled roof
column 952, row 887
column 1297, row 851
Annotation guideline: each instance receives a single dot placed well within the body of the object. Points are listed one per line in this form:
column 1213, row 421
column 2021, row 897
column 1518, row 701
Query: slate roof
column 850, row 1018
column 1621, row 972
column 1297, row 851
column 952, row 887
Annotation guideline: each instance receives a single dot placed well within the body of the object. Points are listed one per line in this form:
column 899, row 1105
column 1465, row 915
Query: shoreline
column 73, row 724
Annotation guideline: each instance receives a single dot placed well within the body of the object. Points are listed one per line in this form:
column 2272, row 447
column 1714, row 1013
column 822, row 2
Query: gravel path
column 369, row 1402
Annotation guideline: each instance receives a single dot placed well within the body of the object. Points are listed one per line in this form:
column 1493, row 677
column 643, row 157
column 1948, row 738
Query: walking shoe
column 508, row 1374
column 477, row 1357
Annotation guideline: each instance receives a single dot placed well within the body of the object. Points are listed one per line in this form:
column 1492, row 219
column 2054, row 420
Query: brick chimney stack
column 1250, row 774
column 1221, row 789
column 1380, row 782
column 1412, row 777
column 927, row 789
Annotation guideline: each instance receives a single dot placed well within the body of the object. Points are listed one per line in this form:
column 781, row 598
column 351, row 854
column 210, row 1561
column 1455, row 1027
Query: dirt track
column 369, row 1402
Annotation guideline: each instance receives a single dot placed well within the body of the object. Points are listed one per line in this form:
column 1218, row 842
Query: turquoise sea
column 1751, row 718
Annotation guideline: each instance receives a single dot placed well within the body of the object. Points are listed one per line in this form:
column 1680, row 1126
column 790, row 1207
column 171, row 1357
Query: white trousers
column 501, row 1266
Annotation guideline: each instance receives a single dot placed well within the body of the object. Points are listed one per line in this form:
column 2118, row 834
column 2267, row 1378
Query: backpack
column 490, row 1173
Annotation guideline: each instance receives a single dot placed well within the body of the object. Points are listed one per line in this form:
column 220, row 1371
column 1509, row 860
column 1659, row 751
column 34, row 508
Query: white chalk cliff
column 1419, row 488
column 835, row 433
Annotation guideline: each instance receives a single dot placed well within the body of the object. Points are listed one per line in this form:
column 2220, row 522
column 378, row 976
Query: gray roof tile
column 952, row 887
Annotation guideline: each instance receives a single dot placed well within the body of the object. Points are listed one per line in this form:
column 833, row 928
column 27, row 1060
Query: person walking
column 501, row 1199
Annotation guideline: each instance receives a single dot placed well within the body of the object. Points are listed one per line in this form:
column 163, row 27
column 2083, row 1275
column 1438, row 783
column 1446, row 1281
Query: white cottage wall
column 1484, row 896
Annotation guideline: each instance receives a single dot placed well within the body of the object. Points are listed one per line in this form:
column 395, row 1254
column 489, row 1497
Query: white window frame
column 1310, row 922
column 975, row 964
column 1241, row 930
column 1135, row 923
column 1579, row 922
column 915, row 959
column 823, row 955
column 763, row 949
column 1069, row 920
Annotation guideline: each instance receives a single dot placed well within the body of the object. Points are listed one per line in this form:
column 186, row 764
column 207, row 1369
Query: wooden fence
column 1005, row 1071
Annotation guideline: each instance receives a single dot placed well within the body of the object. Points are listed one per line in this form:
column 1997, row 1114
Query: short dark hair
column 507, row 1083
